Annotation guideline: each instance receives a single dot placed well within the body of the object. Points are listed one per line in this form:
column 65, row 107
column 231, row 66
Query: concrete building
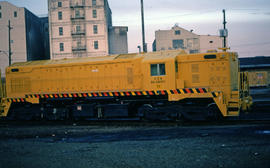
column 179, row 38
column 118, row 42
column 80, row 28
column 210, row 42
column 26, row 35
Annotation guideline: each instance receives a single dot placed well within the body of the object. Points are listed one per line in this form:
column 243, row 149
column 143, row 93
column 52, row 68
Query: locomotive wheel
column 142, row 112
column 179, row 117
column 213, row 113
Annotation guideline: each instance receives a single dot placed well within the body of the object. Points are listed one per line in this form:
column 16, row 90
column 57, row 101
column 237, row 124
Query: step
column 234, row 100
column 233, row 105
column 235, row 94
column 233, row 113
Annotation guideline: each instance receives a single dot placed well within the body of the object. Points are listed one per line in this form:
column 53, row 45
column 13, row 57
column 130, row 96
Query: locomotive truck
column 165, row 84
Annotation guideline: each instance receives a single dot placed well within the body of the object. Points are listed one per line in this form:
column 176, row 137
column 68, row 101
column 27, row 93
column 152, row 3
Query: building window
column 94, row 13
column 94, row 2
column 78, row 29
column 95, row 29
column 177, row 32
column 211, row 42
column 0, row 15
column 60, row 31
column 77, row 14
column 178, row 44
column 96, row 45
column 61, row 46
column 60, row 15
column 59, row 4
column 15, row 14
column 0, row 7
column 158, row 70
column 193, row 51
column 79, row 44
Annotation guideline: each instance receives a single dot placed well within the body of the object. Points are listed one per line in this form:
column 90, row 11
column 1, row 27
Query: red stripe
column 75, row 95
column 151, row 93
column 175, row 92
column 56, row 96
column 65, row 95
column 127, row 94
column 201, row 90
column 139, row 93
column 116, row 94
column 95, row 95
column 46, row 96
column 22, row 100
column 84, row 95
column 37, row 96
column 188, row 91
column 105, row 94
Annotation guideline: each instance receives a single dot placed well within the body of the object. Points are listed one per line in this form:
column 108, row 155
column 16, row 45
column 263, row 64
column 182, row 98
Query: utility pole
column 9, row 44
column 225, row 30
column 143, row 33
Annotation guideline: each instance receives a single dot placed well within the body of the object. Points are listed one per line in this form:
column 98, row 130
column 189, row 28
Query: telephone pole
column 9, row 44
column 143, row 33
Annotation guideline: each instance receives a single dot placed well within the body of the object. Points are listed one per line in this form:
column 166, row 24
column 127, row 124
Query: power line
column 189, row 14
column 171, row 16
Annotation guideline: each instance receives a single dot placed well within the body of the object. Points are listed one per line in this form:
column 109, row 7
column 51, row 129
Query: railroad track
column 134, row 123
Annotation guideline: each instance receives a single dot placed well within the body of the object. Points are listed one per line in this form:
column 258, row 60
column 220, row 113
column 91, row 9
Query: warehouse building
column 179, row 38
column 26, row 35
column 82, row 28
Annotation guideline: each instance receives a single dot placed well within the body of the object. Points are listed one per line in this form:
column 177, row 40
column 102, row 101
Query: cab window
column 158, row 70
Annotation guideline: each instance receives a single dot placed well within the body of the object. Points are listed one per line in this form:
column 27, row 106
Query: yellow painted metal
column 4, row 107
column 4, row 103
column 32, row 100
column 219, row 75
column 245, row 98
column 1, row 87
column 179, row 97
column 222, row 105
column 218, row 72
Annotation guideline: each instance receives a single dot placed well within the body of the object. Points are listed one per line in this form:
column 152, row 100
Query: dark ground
column 71, row 146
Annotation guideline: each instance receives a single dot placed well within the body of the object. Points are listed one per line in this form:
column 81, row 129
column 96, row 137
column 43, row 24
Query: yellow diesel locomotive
column 166, row 84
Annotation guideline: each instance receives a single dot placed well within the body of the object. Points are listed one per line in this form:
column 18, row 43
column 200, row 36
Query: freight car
column 166, row 84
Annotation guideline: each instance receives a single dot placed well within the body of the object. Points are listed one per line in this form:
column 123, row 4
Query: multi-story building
column 26, row 36
column 79, row 28
column 179, row 38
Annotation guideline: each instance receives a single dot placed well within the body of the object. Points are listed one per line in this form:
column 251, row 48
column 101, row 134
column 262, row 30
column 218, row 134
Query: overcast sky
column 248, row 20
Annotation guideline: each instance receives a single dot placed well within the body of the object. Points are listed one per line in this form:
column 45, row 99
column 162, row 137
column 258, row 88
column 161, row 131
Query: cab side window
column 158, row 70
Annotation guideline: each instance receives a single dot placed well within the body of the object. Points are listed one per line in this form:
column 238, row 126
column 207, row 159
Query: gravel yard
column 135, row 147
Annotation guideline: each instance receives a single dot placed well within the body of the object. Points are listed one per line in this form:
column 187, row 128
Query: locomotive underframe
column 141, row 107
